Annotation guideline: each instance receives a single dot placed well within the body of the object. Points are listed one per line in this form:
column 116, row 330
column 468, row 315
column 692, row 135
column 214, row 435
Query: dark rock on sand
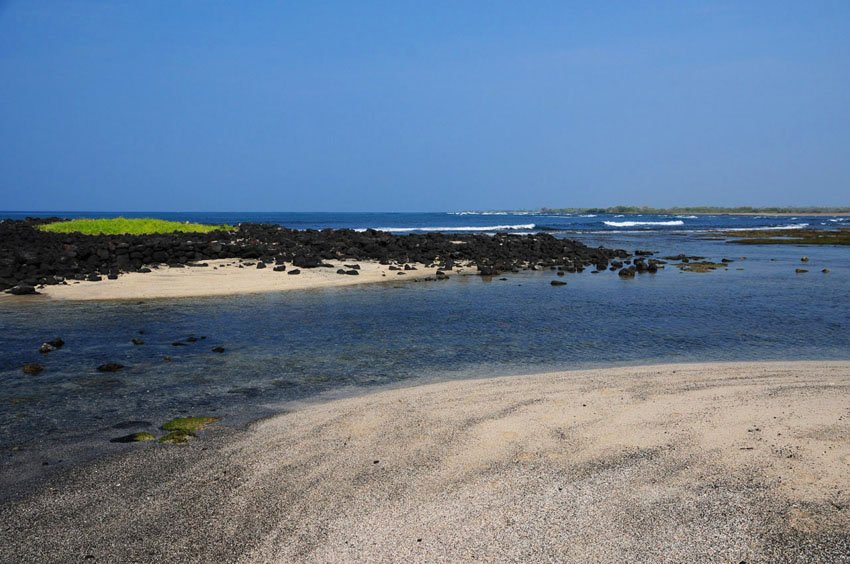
column 261, row 265
column 22, row 290
column 294, row 271
column 110, row 367
column 280, row 268
column 352, row 272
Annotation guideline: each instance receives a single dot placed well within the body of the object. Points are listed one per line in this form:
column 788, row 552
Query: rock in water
column 134, row 438
column 32, row 369
column 57, row 343
column 110, row 367
column 218, row 349
column 558, row 283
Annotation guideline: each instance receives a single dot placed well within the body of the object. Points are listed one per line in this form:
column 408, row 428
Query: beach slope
column 688, row 463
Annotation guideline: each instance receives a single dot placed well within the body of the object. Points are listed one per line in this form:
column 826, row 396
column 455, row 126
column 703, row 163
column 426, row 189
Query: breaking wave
column 637, row 223
column 515, row 227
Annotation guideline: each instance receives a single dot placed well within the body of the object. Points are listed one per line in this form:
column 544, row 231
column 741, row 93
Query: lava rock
column 32, row 369
column 294, row 271
column 22, row 290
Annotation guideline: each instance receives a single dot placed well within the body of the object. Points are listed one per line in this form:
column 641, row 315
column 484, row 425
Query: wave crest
column 520, row 226
column 637, row 223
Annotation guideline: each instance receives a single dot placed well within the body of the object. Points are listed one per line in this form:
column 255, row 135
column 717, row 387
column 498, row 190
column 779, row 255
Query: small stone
column 110, row 367
column 137, row 341
column 294, row 271
column 32, row 368
column 218, row 349
column 558, row 283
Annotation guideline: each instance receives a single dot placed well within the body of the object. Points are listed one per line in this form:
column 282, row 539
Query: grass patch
column 127, row 226
column 188, row 424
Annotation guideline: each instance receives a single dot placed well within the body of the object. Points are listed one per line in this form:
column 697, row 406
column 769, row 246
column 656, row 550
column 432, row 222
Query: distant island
column 741, row 210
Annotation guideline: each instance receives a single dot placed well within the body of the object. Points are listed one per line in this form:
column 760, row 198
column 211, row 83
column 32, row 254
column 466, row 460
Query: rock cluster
column 30, row 257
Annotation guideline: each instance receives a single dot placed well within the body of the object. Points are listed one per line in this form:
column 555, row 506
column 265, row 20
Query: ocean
column 295, row 345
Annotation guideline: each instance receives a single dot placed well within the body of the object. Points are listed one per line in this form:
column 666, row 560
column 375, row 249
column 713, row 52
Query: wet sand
column 224, row 277
column 687, row 463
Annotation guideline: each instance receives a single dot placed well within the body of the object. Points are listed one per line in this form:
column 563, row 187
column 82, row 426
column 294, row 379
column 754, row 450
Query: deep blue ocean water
column 295, row 344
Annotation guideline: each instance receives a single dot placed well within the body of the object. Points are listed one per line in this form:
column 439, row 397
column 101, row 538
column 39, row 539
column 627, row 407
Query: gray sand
column 679, row 463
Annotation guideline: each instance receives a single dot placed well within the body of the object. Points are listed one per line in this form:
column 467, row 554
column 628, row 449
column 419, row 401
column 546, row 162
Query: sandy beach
column 699, row 463
column 225, row 277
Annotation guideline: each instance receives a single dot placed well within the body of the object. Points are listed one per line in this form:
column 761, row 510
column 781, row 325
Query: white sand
column 224, row 277
column 678, row 463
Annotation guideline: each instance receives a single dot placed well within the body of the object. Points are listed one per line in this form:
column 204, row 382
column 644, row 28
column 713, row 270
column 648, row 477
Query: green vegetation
column 188, row 424
column 176, row 437
column 126, row 226
column 791, row 237
column 702, row 210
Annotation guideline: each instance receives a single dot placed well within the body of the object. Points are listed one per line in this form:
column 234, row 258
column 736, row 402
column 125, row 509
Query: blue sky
column 422, row 106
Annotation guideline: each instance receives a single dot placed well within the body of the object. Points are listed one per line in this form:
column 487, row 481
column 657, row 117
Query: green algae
column 139, row 437
column 188, row 424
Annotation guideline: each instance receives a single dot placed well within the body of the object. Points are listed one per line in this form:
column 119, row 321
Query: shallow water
column 294, row 345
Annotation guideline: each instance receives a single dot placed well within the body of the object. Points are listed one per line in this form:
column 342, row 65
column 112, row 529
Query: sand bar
column 686, row 463
column 224, row 277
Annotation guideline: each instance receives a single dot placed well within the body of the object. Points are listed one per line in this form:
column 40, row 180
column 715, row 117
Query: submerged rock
column 558, row 283
column 218, row 349
column 137, row 341
column 139, row 437
column 176, row 437
column 32, row 369
column 110, row 367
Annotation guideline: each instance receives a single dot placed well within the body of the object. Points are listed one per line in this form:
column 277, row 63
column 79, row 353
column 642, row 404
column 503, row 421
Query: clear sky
column 422, row 106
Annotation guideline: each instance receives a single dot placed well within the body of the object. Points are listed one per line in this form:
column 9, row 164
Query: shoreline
column 742, row 461
column 225, row 277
